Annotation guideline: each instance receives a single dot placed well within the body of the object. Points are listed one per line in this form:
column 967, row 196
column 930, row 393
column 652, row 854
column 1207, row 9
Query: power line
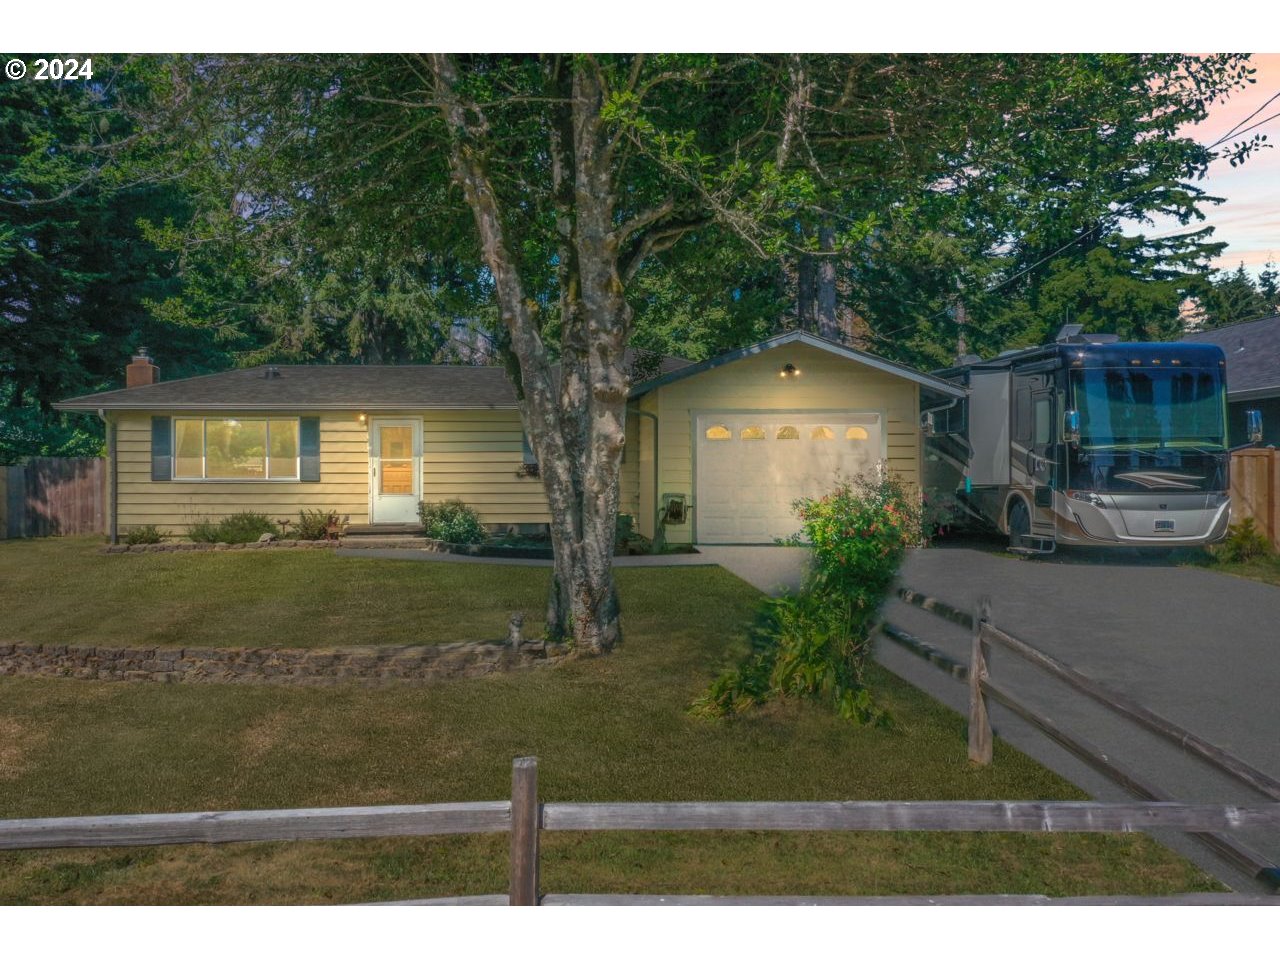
column 1254, row 127
column 1005, row 282
column 1232, row 131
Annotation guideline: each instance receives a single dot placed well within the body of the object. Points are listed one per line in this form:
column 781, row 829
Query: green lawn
column 66, row 591
column 607, row 729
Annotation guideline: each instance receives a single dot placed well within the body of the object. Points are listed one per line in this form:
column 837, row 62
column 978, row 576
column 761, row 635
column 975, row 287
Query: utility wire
column 1253, row 127
column 1005, row 282
column 1233, row 130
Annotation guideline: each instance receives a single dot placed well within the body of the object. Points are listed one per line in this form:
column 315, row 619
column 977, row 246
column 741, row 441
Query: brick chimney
column 141, row 371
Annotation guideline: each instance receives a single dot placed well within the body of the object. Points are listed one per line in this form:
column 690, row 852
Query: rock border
column 204, row 547
column 375, row 665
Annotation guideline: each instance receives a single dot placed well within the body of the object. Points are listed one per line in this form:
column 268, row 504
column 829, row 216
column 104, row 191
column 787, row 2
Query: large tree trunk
column 828, row 318
column 576, row 425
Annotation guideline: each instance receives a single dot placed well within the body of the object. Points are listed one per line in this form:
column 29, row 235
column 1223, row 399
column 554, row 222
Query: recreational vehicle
column 1087, row 441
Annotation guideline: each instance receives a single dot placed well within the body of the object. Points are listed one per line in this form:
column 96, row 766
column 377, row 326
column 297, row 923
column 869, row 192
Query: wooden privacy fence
column 977, row 674
column 525, row 818
column 53, row 496
column 1255, row 489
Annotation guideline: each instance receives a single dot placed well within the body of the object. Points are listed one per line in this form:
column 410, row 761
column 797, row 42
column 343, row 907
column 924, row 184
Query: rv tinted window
column 1044, row 420
column 1022, row 415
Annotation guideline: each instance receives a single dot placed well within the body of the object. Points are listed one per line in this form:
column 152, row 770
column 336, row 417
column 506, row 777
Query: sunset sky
column 1249, row 220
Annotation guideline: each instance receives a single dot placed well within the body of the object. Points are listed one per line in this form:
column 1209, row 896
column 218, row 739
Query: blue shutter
column 161, row 448
column 309, row 449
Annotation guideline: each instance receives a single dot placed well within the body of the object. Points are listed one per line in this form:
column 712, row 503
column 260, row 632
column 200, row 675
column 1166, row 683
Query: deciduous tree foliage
column 547, row 184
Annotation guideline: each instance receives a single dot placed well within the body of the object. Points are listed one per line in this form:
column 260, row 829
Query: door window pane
column 788, row 433
column 397, row 442
column 752, row 433
column 396, row 448
column 236, row 449
column 284, row 449
column 188, row 448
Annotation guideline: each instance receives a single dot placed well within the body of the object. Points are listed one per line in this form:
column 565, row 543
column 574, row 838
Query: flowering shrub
column 452, row 521
column 816, row 644
column 859, row 534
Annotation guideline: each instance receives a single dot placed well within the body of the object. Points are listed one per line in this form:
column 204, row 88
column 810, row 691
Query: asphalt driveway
column 1198, row 647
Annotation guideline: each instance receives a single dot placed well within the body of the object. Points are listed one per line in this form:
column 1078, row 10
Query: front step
column 1034, row 546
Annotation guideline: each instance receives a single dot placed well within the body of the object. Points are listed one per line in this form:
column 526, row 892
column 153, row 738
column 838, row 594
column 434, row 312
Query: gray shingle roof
column 1253, row 355
column 323, row 388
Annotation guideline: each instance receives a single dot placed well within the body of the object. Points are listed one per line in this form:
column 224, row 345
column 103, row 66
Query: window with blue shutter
column 161, row 448
column 309, row 449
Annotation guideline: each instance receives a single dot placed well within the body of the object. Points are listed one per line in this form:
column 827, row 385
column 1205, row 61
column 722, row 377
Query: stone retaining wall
column 302, row 667
column 256, row 545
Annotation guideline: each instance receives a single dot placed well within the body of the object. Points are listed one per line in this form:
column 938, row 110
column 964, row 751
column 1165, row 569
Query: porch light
column 789, row 371
column 362, row 417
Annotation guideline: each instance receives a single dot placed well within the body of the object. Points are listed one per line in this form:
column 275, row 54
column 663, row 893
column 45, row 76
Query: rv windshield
column 1150, row 407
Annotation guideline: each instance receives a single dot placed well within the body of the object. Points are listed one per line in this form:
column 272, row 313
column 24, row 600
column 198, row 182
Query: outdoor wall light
column 362, row 417
column 789, row 371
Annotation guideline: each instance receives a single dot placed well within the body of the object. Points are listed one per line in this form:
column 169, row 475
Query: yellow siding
column 826, row 382
column 475, row 455
column 468, row 455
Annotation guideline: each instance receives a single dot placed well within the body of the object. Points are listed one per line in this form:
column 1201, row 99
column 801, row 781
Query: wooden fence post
column 525, row 824
column 980, row 748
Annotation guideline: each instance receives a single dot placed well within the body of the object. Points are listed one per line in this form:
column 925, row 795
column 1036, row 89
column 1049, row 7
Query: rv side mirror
column 1253, row 425
column 1071, row 426
column 927, row 425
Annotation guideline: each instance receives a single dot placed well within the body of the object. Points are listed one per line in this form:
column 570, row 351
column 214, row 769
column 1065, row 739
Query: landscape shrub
column 816, row 644
column 314, row 524
column 149, row 533
column 1244, row 542
column 203, row 531
column 452, row 521
column 236, row 528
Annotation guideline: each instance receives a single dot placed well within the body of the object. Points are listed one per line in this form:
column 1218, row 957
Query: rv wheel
column 1019, row 524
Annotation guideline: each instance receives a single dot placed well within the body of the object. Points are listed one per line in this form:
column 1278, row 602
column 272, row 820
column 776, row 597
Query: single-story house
column 1253, row 374
column 735, row 438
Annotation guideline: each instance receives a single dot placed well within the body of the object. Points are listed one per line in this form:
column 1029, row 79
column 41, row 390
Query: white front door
column 395, row 470
column 752, row 466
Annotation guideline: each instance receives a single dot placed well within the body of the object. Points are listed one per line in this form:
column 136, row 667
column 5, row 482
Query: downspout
column 657, row 505
column 114, row 529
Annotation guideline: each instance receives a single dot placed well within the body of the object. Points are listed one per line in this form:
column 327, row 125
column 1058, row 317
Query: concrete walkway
column 770, row 569
column 430, row 556
column 1200, row 648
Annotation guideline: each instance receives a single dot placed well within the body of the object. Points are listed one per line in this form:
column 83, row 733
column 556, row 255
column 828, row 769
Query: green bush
column 816, row 644
column 236, row 528
column 149, row 533
column 452, row 521
column 1244, row 542
column 203, row 531
column 314, row 524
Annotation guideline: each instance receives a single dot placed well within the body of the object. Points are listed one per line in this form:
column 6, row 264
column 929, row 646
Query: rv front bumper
column 1190, row 522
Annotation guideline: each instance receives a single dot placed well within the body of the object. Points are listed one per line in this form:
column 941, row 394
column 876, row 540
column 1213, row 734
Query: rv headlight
column 1086, row 496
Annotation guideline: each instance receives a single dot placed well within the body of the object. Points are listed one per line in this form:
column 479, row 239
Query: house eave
column 799, row 336
column 89, row 407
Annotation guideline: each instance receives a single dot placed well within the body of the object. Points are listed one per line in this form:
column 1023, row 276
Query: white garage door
column 752, row 466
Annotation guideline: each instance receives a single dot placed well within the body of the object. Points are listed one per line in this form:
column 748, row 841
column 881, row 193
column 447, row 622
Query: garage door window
column 856, row 433
column 822, row 433
column 788, row 433
column 753, row 433
column 719, row 432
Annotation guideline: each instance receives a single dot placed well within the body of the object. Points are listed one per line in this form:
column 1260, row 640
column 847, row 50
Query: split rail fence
column 525, row 818
column 977, row 674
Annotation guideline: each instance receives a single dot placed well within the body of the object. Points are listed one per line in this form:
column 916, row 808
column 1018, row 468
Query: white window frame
column 204, row 452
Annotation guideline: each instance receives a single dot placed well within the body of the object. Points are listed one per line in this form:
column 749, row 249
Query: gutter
column 114, row 527
column 656, row 499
